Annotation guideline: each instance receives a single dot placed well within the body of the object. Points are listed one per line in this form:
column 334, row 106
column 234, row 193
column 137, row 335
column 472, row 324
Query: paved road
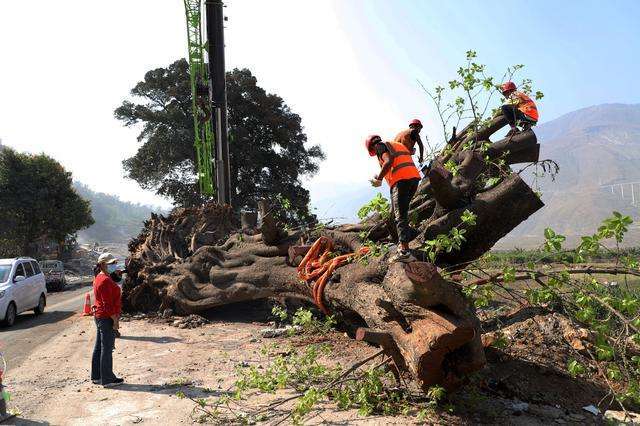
column 30, row 330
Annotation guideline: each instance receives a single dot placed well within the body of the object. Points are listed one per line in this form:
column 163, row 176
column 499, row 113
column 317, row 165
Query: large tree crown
column 269, row 151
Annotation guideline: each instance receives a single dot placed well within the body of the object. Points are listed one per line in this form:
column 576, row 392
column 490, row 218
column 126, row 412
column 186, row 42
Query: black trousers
column 102, row 359
column 401, row 194
column 513, row 114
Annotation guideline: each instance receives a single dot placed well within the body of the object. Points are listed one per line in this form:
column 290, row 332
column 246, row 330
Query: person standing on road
column 402, row 175
column 116, row 276
column 106, row 312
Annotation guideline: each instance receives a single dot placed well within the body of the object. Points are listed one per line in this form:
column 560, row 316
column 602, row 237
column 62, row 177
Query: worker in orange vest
column 519, row 107
column 402, row 175
column 410, row 137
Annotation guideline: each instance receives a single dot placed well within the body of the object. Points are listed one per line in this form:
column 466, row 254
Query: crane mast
column 200, row 98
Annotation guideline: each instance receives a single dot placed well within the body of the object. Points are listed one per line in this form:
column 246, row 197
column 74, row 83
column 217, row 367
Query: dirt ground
column 158, row 360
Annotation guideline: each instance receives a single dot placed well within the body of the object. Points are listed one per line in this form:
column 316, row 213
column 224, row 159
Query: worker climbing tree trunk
column 519, row 108
column 402, row 176
column 197, row 259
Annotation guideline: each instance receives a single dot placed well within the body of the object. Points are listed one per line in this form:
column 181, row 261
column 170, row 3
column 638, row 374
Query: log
column 450, row 191
column 271, row 230
column 467, row 135
column 519, row 142
column 426, row 318
column 498, row 211
column 199, row 259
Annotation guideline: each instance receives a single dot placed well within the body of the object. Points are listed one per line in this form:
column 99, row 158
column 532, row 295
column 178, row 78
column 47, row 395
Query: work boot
column 402, row 256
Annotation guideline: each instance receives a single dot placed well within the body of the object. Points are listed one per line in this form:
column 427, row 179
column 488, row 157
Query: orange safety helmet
column 370, row 142
column 508, row 86
column 415, row 122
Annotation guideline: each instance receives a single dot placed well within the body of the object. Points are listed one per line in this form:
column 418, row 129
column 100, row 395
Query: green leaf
column 508, row 274
column 549, row 234
column 575, row 368
column 604, row 352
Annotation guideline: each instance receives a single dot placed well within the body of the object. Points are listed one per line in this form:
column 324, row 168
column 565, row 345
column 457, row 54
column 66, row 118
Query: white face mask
column 111, row 268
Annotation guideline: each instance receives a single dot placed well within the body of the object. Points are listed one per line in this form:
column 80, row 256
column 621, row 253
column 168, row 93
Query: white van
column 22, row 288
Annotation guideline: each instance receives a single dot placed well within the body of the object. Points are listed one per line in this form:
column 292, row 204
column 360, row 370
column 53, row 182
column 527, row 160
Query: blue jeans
column 102, row 360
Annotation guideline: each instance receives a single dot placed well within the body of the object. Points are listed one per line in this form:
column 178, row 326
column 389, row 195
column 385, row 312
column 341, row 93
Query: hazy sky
column 348, row 67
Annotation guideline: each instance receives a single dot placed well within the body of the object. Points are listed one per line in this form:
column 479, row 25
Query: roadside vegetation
column 39, row 204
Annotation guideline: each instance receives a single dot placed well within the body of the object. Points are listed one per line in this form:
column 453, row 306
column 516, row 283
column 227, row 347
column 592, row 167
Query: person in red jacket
column 106, row 311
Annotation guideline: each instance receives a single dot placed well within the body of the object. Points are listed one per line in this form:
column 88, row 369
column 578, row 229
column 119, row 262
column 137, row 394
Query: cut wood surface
column 198, row 259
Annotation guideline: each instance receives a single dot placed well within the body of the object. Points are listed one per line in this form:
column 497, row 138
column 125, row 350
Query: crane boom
column 200, row 102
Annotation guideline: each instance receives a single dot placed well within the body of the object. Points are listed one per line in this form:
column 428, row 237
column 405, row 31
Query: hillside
column 594, row 147
column 115, row 220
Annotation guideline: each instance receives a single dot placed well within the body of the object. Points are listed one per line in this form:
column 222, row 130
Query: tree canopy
column 268, row 151
column 38, row 203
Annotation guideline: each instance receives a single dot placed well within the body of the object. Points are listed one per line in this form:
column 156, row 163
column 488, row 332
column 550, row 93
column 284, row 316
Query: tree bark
column 427, row 318
column 197, row 259
column 498, row 211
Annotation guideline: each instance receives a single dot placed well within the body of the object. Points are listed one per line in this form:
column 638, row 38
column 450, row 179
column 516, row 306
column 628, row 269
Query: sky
column 348, row 67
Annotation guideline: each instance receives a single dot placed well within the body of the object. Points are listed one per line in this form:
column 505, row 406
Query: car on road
column 22, row 288
column 54, row 274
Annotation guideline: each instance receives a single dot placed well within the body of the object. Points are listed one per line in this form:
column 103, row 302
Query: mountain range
column 116, row 221
column 597, row 149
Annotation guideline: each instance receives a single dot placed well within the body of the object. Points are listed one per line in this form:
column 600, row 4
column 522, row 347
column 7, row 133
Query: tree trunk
column 195, row 260
column 427, row 318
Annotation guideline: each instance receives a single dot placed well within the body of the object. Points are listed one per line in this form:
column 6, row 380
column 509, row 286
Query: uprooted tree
column 197, row 258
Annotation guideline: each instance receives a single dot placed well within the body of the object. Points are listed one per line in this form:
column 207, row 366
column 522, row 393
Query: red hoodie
column 106, row 294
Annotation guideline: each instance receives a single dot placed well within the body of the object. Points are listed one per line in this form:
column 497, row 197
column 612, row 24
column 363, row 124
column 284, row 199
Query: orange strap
column 319, row 266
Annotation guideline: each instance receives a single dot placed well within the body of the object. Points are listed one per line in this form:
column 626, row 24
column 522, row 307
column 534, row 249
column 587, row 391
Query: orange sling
column 318, row 265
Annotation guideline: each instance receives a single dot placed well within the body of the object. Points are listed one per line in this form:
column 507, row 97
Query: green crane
column 200, row 103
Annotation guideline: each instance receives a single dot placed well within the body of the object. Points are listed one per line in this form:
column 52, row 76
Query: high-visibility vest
column 527, row 106
column 402, row 166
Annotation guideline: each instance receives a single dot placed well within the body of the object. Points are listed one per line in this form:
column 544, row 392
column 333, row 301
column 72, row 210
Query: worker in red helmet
column 402, row 175
column 518, row 108
column 410, row 137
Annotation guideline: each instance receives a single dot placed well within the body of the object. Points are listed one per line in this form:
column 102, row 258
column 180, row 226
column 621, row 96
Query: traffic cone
column 86, row 311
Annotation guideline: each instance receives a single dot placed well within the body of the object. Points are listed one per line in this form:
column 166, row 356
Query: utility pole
column 218, row 85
